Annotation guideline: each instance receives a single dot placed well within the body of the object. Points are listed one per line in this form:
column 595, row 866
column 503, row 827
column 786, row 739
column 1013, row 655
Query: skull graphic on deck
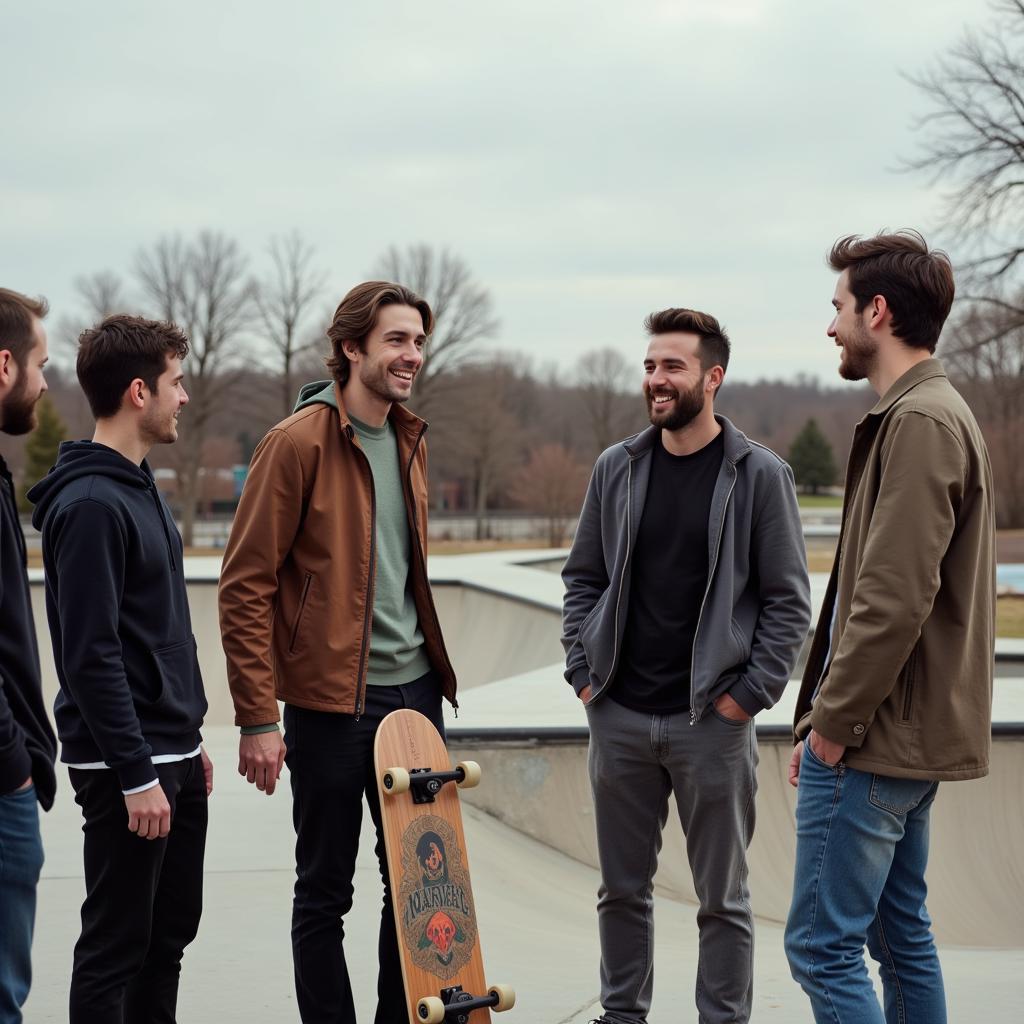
column 442, row 933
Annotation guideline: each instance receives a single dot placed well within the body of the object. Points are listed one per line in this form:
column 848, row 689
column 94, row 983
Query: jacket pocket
column 303, row 597
column 909, row 675
column 181, row 702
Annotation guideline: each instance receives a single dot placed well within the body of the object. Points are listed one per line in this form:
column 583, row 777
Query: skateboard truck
column 455, row 1005
column 425, row 783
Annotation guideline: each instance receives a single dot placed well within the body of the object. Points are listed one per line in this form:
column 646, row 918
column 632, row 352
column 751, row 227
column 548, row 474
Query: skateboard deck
column 435, row 916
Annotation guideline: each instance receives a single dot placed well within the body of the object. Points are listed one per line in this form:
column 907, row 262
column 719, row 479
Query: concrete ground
column 537, row 923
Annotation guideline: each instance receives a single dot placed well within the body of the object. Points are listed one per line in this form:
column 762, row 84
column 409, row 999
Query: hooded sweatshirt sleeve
column 89, row 553
column 15, row 764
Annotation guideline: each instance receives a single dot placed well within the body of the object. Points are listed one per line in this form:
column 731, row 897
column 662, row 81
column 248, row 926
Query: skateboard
column 435, row 915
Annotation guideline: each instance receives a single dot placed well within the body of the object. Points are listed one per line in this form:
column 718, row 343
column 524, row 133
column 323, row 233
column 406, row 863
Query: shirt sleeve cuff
column 141, row 789
column 255, row 730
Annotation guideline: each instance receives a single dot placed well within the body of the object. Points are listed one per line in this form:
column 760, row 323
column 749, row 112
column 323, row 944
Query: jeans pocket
column 735, row 723
column 899, row 796
column 811, row 756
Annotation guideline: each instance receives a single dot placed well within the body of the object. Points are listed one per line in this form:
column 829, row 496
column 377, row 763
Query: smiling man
column 686, row 602
column 325, row 605
column 897, row 691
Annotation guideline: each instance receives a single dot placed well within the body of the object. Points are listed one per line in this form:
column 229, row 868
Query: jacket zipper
column 368, row 615
column 298, row 615
column 707, row 590
column 423, row 563
column 625, row 569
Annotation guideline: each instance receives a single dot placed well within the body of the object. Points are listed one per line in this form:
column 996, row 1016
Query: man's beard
column 19, row 412
column 858, row 355
column 377, row 379
column 688, row 406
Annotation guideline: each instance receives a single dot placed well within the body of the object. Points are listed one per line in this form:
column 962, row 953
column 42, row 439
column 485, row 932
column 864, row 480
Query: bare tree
column 203, row 287
column 102, row 294
column 478, row 435
column 551, row 484
column 284, row 301
column 988, row 366
column 462, row 311
column 609, row 393
column 975, row 141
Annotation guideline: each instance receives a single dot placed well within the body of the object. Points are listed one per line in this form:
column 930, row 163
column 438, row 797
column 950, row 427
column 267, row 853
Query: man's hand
column 794, row 764
column 825, row 750
column 149, row 813
column 207, row 770
column 585, row 694
column 728, row 708
column 261, row 758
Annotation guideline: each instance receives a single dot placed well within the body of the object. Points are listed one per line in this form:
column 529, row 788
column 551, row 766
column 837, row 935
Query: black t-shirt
column 668, row 581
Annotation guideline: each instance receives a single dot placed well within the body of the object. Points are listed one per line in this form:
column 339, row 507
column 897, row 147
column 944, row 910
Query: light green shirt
column 396, row 641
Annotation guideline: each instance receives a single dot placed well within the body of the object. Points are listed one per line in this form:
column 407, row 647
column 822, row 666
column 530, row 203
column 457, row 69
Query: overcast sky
column 591, row 161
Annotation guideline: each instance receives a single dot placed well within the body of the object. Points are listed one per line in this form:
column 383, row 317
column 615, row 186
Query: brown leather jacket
column 908, row 689
column 296, row 586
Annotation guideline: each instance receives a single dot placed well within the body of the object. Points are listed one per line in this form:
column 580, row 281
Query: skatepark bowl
column 530, row 836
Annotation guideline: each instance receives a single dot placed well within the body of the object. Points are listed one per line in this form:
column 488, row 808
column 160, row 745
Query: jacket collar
column 735, row 441
column 400, row 417
column 919, row 372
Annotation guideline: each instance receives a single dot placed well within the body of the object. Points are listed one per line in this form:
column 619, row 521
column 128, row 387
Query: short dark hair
column 356, row 316
column 917, row 283
column 714, row 342
column 120, row 349
column 17, row 312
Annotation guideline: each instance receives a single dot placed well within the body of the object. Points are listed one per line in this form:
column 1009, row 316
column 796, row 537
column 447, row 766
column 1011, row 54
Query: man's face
column 160, row 419
column 849, row 329
column 394, row 353
column 18, row 410
column 673, row 383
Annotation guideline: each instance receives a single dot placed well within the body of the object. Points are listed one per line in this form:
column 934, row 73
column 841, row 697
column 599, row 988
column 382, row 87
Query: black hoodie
column 115, row 598
column 27, row 744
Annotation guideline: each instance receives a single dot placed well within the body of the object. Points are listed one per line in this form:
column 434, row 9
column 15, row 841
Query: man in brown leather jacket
column 325, row 605
column 897, row 692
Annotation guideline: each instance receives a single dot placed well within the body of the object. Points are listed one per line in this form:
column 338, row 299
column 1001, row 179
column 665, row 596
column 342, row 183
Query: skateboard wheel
column 430, row 1010
column 471, row 774
column 506, row 996
column 396, row 780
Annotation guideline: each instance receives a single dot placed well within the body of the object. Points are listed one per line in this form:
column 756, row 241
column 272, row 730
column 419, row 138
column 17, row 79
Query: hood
column 76, row 459
column 318, row 392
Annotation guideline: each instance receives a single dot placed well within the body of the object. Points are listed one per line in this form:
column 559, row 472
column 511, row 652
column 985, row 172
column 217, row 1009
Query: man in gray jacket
column 686, row 602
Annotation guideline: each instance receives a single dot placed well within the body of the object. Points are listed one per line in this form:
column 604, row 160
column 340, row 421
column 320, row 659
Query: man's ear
column 713, row 379
column 137, row 393
column 7, row 365
column 877, row 311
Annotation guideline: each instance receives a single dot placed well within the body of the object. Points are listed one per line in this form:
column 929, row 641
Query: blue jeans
column 21, row 859
column 862, row 849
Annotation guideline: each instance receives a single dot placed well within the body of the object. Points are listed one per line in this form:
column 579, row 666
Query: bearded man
column 687, row 600
column 325, row 605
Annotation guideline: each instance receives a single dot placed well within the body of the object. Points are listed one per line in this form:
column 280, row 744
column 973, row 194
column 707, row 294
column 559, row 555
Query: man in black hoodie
column 131, row 695
column 27, row 744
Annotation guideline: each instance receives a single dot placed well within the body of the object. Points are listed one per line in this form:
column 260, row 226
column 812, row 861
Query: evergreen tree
column 41, row 447
column 811, row 459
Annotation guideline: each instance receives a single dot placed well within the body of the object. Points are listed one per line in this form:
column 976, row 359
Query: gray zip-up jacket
column 756, row 609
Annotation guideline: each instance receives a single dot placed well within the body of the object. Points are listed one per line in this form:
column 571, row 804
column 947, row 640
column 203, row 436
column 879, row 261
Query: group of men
column 686, row 604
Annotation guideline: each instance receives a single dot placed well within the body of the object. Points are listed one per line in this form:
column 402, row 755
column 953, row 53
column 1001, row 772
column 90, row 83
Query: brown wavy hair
column 356, row 317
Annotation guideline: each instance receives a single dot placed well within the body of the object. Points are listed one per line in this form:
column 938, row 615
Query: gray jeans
column 635, row 761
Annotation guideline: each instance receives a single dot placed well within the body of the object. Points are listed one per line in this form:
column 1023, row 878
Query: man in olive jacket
column 325, row 605
column 897, row 693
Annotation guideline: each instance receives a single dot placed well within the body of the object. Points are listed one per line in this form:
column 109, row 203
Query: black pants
column 143, row 899
column 330, row 758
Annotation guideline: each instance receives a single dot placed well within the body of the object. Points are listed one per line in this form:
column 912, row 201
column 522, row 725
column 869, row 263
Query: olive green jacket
column 908, row 687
